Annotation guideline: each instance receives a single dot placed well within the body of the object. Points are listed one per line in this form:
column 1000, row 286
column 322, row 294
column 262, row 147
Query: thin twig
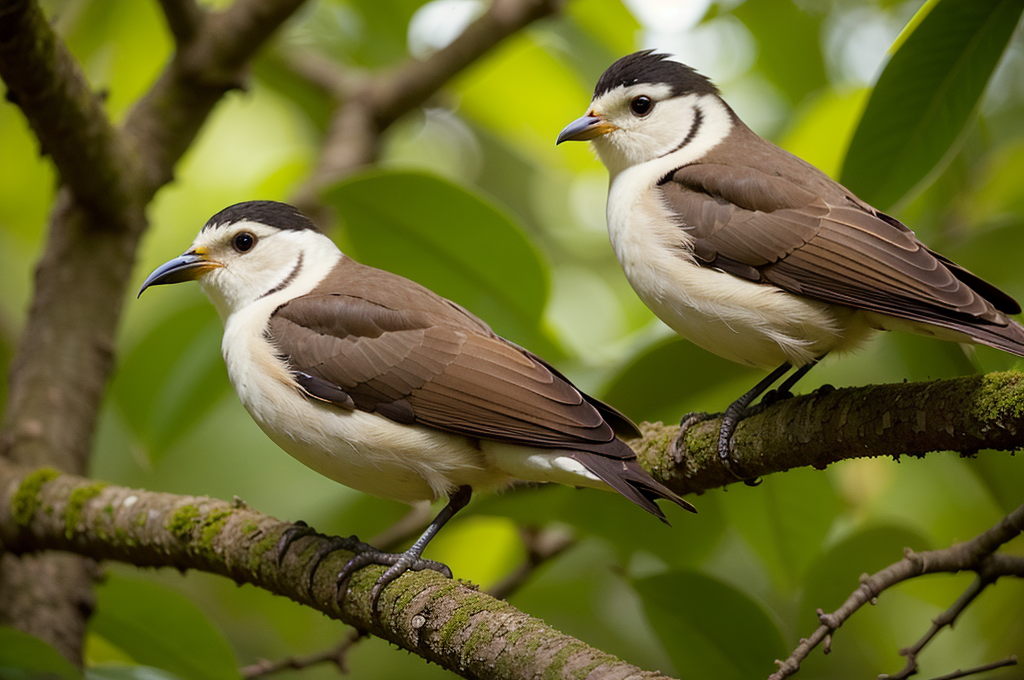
column 946, row 618
column 1010, row 661
column 975, row 555
column 338, row 655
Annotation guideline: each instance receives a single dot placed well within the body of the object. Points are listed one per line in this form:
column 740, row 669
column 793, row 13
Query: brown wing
column 402, row 365
column 829, row 246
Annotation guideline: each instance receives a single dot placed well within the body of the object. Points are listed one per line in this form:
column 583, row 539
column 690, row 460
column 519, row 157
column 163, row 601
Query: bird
column 380, row 384
column 754, row 254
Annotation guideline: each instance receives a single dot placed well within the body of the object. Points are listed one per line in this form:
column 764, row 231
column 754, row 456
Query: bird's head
column 645, row 105
column 248, row 252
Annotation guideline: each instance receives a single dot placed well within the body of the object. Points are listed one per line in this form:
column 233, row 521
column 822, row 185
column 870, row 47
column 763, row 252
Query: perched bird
column 752, row 253
column 380, row 384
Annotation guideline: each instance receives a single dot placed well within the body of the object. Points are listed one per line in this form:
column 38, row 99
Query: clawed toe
column 293, row 533
column 396, row 563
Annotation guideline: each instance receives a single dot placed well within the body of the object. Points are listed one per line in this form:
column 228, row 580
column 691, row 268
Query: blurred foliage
column 722, row 593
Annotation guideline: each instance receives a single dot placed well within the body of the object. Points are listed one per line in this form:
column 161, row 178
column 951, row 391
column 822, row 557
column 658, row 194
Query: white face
column 254, row 260
column 643, row 129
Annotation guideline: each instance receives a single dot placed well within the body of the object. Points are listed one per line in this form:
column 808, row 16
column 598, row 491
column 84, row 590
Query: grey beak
column 583, row 128
column 188, row 267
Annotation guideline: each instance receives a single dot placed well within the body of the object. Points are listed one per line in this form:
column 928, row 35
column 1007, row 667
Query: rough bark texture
column 447, row 622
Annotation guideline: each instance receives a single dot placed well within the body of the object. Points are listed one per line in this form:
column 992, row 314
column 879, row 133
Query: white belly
column 749, row 323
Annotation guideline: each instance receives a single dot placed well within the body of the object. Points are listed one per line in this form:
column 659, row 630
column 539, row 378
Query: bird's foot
column 678, row 448
column 726, row 447
column 293, row 533
column 396, row 563
column 332, row 545
column 725, row 451
column 773, row 397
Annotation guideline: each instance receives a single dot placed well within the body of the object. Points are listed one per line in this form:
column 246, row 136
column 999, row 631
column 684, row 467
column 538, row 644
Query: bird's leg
column 784, row 391
column 736, row 412
column 410, row 560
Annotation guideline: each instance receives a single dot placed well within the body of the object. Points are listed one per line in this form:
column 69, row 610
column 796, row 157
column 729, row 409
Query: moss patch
column 26, row 500
column 561, row 657
column 76, row 504
column 182, row 522
column 474, row 604
column 212, row 525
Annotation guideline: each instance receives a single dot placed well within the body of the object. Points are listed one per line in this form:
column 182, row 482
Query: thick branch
column 46, row 82
column 184, row 19
column 964, row 415
column 444, row 621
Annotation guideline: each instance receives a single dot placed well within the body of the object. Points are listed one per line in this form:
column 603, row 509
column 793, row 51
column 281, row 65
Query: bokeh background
column 513, row 227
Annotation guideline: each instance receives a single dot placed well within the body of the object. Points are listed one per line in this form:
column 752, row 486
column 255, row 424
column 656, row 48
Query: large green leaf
column 709, row 628
column 926, row 96
column 785, row 520
column 158, row 627
column 173, row 377
column 452, row 241
column 25, row 657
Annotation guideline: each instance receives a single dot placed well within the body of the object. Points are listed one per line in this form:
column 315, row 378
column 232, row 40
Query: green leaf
column 926, row 96
column 709, row 628
column 173, row 377
column 26, row 657
column 785, row 520
column 158, row 627
column 452, row 241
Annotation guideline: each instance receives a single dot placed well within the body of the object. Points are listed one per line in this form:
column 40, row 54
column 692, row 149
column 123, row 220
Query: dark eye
column 244, row 241
column 641, row 105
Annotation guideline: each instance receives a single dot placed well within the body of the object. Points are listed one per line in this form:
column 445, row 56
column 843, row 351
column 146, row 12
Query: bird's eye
column 243, row 241
column 641, row 105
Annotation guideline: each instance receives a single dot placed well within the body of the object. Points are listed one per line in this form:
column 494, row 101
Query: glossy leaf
column 128, row 673
column 926, row 96
column 709, row 628
column 26, row 657
column 452, row 241
column 160, row 628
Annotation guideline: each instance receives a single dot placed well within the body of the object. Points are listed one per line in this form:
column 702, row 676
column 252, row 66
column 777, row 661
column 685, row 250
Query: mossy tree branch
column 965, row 415
column 447, row 622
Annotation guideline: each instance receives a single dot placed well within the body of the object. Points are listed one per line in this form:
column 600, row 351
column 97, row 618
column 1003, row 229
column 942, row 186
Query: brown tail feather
column 625, row 475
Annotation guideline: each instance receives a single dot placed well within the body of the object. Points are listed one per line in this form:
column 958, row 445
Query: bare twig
column 338, row 655
column 977, row 555
column 945, row 619
column 1010, row 661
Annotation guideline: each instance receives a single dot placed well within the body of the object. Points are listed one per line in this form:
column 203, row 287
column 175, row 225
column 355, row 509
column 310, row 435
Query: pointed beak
column 585, row 128
column 188, row 267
